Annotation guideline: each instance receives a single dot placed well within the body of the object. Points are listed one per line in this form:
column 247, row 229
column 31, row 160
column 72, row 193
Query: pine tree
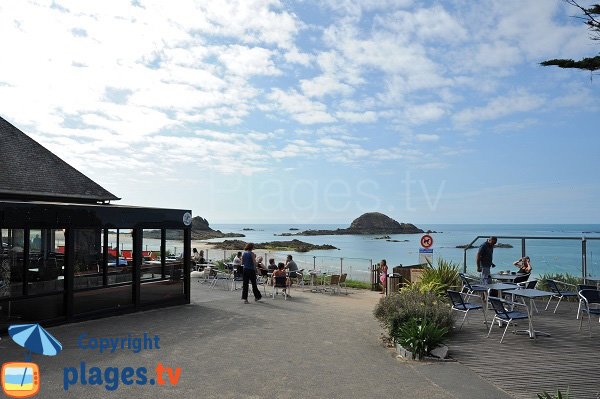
column 591, row 16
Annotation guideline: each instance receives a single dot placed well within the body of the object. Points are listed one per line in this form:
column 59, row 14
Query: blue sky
column 314, row 112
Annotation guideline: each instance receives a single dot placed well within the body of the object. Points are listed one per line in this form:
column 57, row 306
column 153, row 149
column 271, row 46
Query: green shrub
column 397, row 309
column 566, row 278
column 441, row 277
column 358, row 284
column 419, row 336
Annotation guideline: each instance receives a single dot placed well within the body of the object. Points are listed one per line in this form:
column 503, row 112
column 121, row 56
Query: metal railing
column 584, row 248
column 355, row 268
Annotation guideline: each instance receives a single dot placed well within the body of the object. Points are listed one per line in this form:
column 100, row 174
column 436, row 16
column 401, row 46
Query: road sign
column 425, row 256
column 426, row 241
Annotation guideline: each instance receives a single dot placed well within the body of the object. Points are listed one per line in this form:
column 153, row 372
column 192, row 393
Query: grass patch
column 358, row 284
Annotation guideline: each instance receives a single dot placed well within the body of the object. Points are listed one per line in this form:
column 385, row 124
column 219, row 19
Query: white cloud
column 357, row 117
column 427, row 137
column 245, row 61
column 300, row 108
column 428, row 24
column 500, row 106
column 324, row 85
column 297, row 57
column 422, row 113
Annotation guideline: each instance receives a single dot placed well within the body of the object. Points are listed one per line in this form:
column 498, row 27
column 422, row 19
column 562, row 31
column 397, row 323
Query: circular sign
column 187, row 218
column 426, row 241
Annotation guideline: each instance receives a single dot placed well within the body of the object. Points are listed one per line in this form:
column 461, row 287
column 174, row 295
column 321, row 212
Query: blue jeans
column 485, row 275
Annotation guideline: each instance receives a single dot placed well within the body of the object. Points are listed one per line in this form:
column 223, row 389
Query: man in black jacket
column 484, row 259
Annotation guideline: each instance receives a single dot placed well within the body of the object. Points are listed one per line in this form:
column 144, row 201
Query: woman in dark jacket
column 249, row 273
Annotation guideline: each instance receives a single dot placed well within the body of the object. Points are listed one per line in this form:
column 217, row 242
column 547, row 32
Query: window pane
column 151, row 256
column 11, row 264
column 31, row 310
column 46, row 264
column 161, row 291
column 87, row 258
column 174, row 255
column 171, row 287
column 102, row 299
column 120, row 256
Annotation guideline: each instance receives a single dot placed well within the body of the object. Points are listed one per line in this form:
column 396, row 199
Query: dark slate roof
column 28, row 171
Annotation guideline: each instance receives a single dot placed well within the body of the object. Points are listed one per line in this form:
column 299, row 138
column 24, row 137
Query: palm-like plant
column 441, row 277
column 559, row 395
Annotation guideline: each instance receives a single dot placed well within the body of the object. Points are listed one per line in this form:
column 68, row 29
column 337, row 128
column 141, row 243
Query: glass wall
column 11, row 263
column 102, row 299
column 102, row 262
column 87, row 264
column 120, row 256
column 151, row 255
column 46, row 264
column 44, row 276
column 172, row 285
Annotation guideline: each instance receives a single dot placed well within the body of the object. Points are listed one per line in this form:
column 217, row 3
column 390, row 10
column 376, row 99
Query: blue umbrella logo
column 36, row 340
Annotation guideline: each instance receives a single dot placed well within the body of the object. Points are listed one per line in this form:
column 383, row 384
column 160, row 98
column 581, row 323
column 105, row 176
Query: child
column 383, row 270
column 280, row 272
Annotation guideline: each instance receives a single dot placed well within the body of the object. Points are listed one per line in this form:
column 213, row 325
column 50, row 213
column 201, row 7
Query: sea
column 553, row 248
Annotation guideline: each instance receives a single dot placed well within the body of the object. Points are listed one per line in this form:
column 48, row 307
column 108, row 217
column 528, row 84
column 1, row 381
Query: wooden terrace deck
column 524, row 367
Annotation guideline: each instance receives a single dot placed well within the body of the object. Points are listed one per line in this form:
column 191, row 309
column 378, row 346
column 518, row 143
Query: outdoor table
column 314, row 275
column 202, row 266
column 500, row 286
column 505, row 277
column 531, row 294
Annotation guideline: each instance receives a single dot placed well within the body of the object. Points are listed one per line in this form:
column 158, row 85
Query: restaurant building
column 68, row 253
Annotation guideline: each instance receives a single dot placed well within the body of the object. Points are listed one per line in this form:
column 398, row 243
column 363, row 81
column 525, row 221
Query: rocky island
column 368, row 223
column 200, row 231
column 294, row 245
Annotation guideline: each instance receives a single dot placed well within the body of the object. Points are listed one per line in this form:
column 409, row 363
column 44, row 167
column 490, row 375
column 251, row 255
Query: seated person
column 271, row 266
column 195, row 256
column 201, row 259
column 524, row 265
column 237, row 260
column 261, row 270
column 291, row 266
column 280, row 272
column 259, row 263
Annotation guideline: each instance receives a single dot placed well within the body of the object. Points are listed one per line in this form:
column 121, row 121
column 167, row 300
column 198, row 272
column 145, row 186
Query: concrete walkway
column 310, row 346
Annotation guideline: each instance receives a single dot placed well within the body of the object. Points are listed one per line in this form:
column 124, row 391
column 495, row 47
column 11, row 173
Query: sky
column 267, row 111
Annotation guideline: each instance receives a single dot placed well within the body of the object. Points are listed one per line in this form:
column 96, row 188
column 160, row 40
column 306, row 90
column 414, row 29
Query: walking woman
column 249, row 264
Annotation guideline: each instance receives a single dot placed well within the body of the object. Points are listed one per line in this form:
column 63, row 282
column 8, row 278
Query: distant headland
column 200, row 231
column 371, row 223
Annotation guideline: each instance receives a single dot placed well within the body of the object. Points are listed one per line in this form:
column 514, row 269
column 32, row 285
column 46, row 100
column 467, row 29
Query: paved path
column 310, row 346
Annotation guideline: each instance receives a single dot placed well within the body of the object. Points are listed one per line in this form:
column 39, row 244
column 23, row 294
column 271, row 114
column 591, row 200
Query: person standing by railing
column 484, row 259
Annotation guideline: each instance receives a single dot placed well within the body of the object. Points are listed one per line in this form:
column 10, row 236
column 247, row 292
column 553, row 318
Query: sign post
column 426, row 252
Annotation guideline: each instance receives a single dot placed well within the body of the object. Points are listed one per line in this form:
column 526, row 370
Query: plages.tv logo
column 112, row 377
column 22, row 379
